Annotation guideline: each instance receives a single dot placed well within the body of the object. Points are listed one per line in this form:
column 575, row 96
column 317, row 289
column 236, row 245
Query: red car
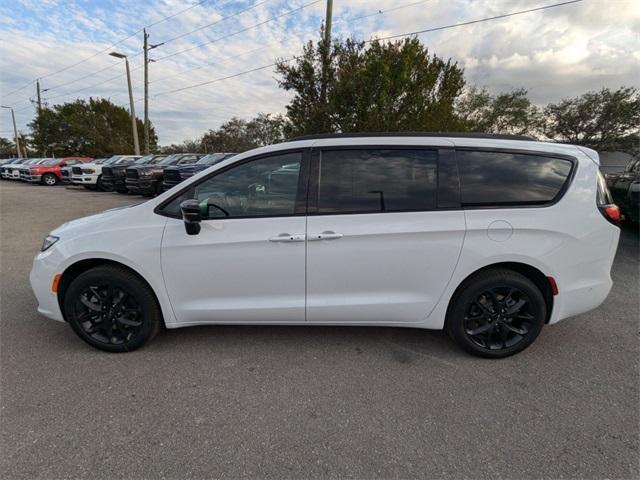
column 49, row 171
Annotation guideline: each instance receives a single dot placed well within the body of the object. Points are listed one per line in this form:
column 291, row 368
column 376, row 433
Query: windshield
column 49, row 161
column 169, row 160
column 100, row 161
column 149, row 159
column 212, row 158
column 33, row 161
column 112, row 160
column 124, row 160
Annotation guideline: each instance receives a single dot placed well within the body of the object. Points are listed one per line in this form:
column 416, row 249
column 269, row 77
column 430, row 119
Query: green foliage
column 238, row 135
column 605, row 120
column 7, row 148
column 507, row 113
column 95, row 128
column 394, row 86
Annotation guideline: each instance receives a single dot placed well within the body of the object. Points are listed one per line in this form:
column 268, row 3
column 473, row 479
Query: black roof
column 319, row 136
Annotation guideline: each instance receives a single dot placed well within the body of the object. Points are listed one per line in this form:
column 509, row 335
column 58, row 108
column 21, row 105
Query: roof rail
column 319, row 136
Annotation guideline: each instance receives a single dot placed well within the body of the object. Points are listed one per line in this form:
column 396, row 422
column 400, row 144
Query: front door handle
column 326, row 235
column 287, row 237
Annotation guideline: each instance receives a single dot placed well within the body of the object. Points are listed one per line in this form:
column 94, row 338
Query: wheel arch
column 81, row 266
column 532, row 273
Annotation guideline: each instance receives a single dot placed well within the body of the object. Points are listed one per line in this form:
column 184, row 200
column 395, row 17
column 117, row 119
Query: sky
column 555, row 53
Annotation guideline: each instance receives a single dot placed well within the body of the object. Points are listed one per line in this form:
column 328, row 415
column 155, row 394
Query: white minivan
column 489, row 237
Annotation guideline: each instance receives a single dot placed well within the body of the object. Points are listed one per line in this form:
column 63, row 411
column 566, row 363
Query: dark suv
column 147, row 179
column 175, row 174
column 113, row 176
column 625, row 189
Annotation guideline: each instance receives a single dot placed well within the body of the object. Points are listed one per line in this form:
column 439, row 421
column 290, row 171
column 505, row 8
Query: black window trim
column 314, row 175
column 301, row 194
column 567, row 183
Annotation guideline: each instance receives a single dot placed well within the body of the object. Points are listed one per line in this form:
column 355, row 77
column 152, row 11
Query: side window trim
column 556, row 199
column 314, row 174
column 301, row 194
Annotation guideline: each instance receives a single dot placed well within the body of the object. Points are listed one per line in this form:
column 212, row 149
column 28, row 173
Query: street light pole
column 15, row 131
column 146, row 92
column 134, row 126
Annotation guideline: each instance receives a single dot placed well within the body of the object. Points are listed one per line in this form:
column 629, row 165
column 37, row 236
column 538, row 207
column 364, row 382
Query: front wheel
column 49, row 179
column 112, row 309
column 496, row 313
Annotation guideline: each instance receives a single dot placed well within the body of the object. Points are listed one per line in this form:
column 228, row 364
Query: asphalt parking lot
column 296, row 402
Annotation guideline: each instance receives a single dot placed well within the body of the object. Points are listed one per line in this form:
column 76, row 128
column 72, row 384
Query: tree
column 94, row 128
column 395, row 86
column 7, row 148
column 238, row 135
column 605, row 120
column 508, row 112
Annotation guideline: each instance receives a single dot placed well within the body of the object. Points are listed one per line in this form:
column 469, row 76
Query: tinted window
column 265, row 187
column 376, row 180
column 502, row 179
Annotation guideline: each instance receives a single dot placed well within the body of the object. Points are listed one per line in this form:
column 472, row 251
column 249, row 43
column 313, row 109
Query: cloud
column 555, row 53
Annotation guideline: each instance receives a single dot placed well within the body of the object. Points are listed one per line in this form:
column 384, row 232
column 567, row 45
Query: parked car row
column 625, row 190
column 146, row 175
column 47, row 171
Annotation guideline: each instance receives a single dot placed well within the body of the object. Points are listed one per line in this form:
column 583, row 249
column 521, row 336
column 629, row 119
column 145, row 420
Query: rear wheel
column 496, row 313
column 49, row 179
column 112, row 309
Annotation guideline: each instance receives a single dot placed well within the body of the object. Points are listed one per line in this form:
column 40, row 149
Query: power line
column 381, row 12
column 289, row 12
column 372, row 40
column 471, row 22
column 216, row 22
column 105, row 49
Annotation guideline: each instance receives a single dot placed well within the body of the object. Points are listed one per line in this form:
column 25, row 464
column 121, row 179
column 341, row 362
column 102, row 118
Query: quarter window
column 376, row 180
column 510, row 179
column 266, row 187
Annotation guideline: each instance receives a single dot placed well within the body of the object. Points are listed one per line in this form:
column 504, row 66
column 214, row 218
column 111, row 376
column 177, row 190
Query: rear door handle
column 287, row 237
column 326, row 235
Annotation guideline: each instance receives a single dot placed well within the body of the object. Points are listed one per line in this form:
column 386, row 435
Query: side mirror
column 191, row 216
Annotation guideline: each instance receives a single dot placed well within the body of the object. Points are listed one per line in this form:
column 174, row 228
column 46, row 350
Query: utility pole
column 15, row 131
column 146, row 47
column 325, row 60
column 146, row 92
column 39, row 99
column 327, row 23
column 134, row 126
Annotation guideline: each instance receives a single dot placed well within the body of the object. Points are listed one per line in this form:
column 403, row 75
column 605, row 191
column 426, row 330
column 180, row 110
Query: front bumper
column 85, row 179
column 141, row 186
column 114, row 183
column 31, row 178
column 41, row 278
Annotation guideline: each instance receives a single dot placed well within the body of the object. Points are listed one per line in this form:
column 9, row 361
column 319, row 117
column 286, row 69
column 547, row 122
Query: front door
column 379, row 250
column 247, row 264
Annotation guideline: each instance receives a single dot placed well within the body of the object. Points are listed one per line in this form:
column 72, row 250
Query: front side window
column 510, row 179
column 375, row 180
column 265, row 187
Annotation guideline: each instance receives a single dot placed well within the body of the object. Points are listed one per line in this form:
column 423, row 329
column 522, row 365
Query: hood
column 92, row 221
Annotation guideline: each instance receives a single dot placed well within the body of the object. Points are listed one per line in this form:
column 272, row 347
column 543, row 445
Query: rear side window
column 510, row 179
column 376, row 180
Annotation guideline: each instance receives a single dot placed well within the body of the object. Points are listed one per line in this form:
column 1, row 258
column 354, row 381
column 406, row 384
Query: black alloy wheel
column 112, row 309
column 496, row 313
column 108, row 314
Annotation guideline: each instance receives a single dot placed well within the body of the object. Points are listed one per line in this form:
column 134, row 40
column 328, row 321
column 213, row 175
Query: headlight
column 48, row 242
column 144, row 173
column 88, row 170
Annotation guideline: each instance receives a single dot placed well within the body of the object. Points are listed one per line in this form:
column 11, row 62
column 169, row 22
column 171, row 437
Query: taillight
column 611, row 212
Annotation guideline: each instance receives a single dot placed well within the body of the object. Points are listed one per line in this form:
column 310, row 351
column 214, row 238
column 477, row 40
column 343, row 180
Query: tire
column 158, row 189
column 99, row 185
column 49, row 179
column 496, row 313
column 89, row 309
